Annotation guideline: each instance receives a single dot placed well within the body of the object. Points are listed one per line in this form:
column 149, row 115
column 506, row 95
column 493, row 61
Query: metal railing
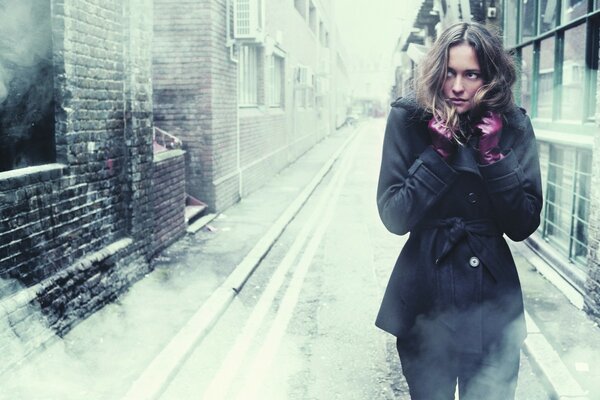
column 566, row 176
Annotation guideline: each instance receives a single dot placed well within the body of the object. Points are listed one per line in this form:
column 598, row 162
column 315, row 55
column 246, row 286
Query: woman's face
column 463, row 77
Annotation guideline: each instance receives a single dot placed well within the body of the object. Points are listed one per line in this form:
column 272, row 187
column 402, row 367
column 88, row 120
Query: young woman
column 459, row 170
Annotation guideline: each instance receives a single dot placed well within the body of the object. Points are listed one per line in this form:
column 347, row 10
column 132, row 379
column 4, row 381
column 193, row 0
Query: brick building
column 87, row 194
column 246, row 85
column 556, row 45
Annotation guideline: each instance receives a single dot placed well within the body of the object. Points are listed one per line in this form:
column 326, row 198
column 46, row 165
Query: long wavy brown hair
column 497, row 69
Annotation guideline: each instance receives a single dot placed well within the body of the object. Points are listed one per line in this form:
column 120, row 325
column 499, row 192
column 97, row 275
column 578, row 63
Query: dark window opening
column 26, row 85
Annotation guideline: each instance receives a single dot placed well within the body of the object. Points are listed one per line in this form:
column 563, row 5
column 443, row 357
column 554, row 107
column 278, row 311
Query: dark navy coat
column 456, row 270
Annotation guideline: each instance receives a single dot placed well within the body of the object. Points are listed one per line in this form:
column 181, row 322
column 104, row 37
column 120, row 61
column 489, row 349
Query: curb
column 549, row 366
column 544, row 359
column 156, row 377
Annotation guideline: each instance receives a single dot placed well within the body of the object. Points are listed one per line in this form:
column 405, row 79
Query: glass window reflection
column 526, row 76
column 548, row 9
column 572, row 9
column 528, row 20
column 573, row 74
column 510, row 23
column 545, row 78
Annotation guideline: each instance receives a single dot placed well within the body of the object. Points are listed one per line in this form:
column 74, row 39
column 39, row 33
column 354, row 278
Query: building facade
column 556, row 44
column 112, row 112
column 556, row 47
column 247, row 85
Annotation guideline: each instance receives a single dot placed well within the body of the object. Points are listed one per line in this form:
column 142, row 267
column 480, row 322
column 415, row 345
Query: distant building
column 556, row 44
column 248, row 85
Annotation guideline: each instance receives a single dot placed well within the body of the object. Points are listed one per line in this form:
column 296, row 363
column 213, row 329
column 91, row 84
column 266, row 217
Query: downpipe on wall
column 231, row 44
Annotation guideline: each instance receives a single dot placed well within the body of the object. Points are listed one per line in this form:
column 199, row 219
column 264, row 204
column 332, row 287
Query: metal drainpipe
column 230, row 43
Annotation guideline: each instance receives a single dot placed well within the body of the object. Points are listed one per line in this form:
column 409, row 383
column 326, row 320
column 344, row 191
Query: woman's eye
column 473, row 75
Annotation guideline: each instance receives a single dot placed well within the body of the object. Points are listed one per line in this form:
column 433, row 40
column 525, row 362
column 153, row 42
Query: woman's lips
column 458, row 102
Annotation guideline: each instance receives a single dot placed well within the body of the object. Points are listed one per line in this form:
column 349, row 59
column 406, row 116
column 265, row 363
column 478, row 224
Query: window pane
column 526, row 76
column 548, row 13
column 510, row 23
column 559, row 196
column 573, row 74
column 544, row 154
column 545, row 79
column 573, row 9
column 248, row 75
column 301, row 7
column 528, row 19
column 593, row 75
column 312, row 17
column 275, row 81
column 581, row 205
column 26, row 87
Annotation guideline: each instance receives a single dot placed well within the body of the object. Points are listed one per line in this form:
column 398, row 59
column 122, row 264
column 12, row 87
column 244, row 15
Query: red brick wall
column 168, row 199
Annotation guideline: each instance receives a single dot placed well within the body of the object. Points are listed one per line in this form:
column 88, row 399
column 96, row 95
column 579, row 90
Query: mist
column 26, row 84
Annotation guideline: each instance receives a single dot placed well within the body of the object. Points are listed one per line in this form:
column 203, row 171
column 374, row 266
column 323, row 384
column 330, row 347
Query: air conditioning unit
column 248, row 20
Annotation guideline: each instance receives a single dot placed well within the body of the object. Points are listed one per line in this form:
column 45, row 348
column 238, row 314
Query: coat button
column 472, row 198
column 474, row 262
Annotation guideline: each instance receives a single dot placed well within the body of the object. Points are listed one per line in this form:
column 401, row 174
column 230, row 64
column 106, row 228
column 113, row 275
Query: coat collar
column 465, row 160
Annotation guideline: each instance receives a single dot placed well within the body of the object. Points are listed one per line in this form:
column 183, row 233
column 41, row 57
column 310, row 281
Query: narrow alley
column 301, row 327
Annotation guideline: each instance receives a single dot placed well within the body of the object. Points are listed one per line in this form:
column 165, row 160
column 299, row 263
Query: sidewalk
column 562, row 342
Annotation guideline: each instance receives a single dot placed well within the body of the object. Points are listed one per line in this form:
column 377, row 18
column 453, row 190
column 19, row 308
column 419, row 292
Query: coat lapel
column 465, row 160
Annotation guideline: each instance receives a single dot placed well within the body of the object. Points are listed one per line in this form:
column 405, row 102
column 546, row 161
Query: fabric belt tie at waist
column 459, row 228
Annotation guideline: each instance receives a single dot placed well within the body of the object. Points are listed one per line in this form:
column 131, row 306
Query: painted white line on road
column 162, row 369
column 221, row 382
column 243, row 271
column 156, row 377
column 263, row 359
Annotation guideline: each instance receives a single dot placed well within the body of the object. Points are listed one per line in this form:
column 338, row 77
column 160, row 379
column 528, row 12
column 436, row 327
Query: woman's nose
column 457, row 86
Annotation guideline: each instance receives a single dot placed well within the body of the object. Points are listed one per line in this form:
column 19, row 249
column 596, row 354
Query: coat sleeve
column 409, row 184
column 515, row 188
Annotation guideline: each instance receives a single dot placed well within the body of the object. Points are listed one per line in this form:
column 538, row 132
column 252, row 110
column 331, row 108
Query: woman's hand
column 488, row 129
column 441, row 138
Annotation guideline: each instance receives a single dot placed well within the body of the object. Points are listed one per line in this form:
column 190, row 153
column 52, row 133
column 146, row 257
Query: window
column 510, row 26
column 593, row 73
column 548, row 15
column 558, row 83
column 566, row 215
column 528, row 28
column 321, row 33
column 570, row 95
column 526, row 76
column 301, row 7
column 304, row 87
column 312, row 17
column 248, row 67
column 321, row 90
column 26, row 85
column 573, row 74
column 573, row 9
column 276, row 81
column 545, row 79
